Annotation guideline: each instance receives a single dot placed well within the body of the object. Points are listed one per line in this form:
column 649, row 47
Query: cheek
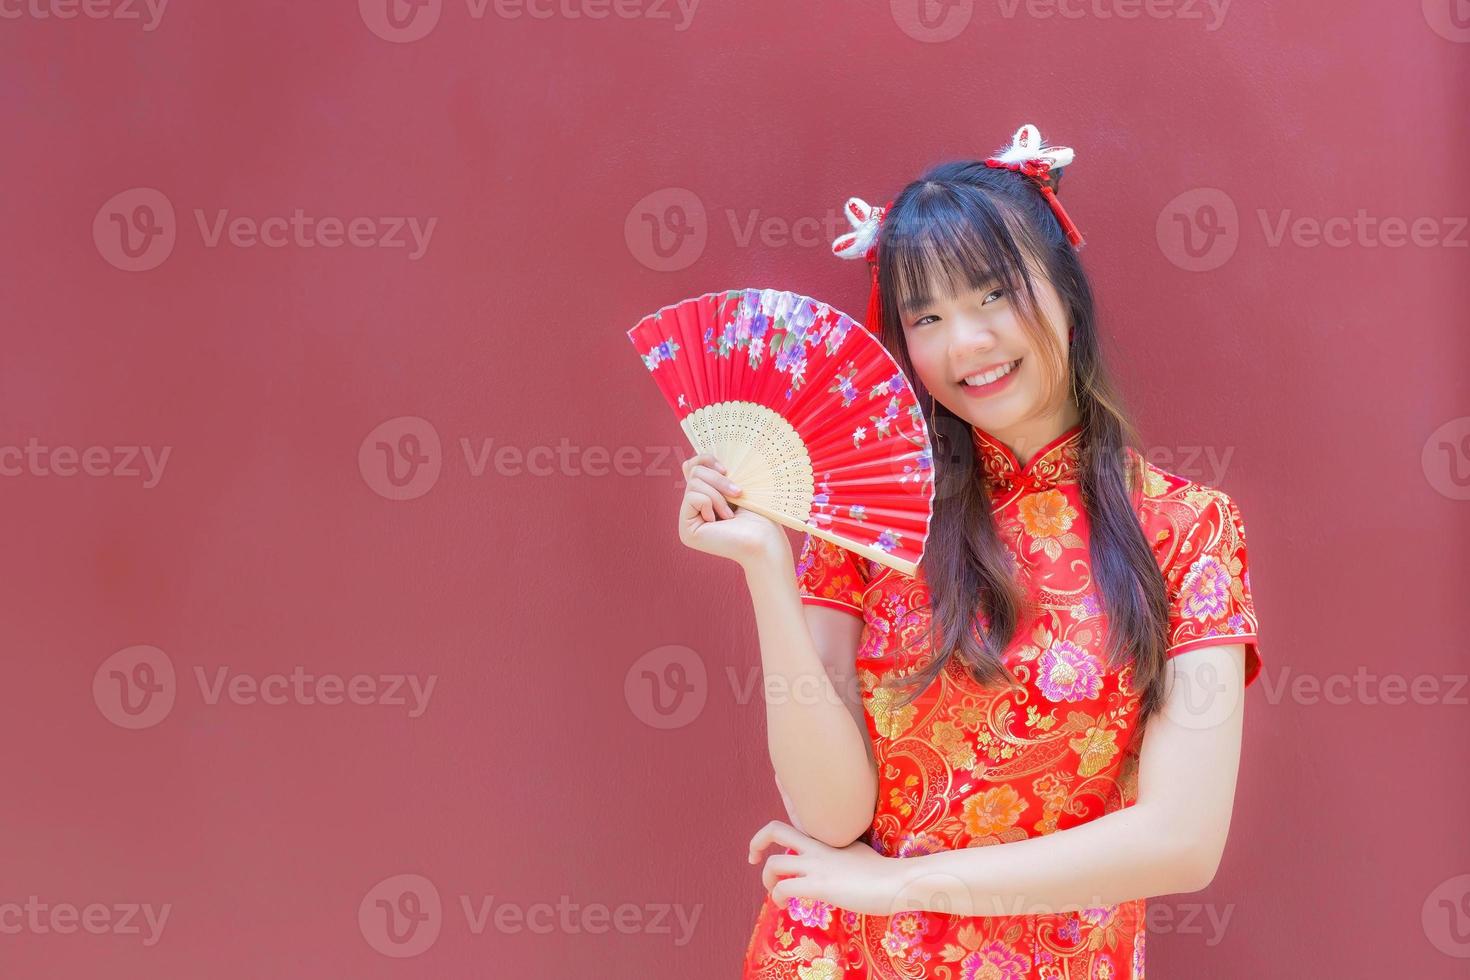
column 930, row 363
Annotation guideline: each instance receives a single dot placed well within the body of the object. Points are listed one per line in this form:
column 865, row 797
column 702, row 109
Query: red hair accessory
column 862, row 243
column 1027, row 155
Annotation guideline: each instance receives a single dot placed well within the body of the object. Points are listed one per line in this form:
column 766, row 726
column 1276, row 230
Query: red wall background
column 1271, row 342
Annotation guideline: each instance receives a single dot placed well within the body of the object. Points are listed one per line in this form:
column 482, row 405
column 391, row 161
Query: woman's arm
column 1169, row 841
column 815, row 731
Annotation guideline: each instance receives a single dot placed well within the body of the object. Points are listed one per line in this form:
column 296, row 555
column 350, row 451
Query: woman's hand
column 856, row 877
column 708, row 522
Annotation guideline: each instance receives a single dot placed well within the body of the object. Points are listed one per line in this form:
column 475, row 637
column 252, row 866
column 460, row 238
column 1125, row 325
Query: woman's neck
column 1025, row 440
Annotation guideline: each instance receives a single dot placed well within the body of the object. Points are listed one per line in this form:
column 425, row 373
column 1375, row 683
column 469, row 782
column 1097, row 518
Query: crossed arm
column 1169, row 841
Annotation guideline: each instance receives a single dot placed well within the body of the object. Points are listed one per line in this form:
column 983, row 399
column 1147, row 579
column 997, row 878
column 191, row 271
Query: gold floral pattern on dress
column 1046, row 517
column 1095, row 750
column 951, row 742
column 888, row 717
column 822, row 968
column 968, row 766
column 993, row 811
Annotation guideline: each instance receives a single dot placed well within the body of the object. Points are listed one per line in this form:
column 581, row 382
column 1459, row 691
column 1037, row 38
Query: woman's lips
column 995, row 387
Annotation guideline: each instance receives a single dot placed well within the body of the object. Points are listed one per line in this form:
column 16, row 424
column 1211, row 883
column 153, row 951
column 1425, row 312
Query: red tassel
column 1073, row 235
column 1040, row 173
column 874, row 319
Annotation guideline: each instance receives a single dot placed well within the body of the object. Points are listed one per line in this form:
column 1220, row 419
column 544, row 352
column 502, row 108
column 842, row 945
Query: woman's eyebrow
column 913, row 306
column 920, row 301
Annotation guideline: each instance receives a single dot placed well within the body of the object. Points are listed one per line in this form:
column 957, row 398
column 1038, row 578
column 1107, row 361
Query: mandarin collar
column 1057, row 462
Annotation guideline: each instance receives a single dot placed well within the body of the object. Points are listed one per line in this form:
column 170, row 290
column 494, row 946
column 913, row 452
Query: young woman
column 1007, row 753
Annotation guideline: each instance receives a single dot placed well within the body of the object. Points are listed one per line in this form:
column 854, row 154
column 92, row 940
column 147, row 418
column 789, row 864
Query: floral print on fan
column 771, row 320
column 660, row 353
column 967, row 766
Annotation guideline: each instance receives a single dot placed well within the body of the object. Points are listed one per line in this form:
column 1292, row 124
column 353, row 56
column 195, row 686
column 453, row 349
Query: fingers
column 802, row 886
column 714, row 497
column 698, row 503
column 706, row 459
column 779, row 866
column 705, row 476
column 777, row 832
column 714, row 473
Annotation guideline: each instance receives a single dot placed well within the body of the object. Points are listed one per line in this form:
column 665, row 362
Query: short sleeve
column 1210, row 587
column 829, row 575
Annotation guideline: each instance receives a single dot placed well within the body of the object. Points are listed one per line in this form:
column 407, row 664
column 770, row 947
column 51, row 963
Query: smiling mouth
column 992, row 376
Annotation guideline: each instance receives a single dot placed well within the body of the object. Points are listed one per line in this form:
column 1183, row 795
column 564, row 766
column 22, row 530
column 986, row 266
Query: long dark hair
column 958, row 225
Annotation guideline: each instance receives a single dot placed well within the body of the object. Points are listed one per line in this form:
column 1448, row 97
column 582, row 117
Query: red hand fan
column 811, row 416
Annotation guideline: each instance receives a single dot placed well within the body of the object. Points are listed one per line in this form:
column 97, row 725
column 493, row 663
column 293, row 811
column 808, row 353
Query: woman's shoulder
column 1163, row 487
column 1171, row 504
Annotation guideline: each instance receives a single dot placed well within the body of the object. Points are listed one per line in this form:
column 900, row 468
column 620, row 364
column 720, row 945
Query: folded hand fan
column 812, row 417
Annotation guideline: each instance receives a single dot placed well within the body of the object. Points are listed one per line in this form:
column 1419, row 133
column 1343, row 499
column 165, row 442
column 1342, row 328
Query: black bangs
column 949, row 237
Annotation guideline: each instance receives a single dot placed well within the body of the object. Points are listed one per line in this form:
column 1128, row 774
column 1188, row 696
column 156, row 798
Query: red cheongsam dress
column 966, row 766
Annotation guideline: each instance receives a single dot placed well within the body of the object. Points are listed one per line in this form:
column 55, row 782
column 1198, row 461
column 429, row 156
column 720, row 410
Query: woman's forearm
column 1127, row 854
column 821, row 755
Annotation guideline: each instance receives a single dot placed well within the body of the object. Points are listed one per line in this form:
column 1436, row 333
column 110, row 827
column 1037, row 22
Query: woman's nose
column 970, row 339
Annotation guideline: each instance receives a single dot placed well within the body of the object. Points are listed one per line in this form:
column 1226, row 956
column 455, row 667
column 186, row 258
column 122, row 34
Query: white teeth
column 977, row 380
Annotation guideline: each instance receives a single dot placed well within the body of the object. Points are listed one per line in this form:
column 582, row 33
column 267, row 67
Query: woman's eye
column 920, row 321
column 993, row 292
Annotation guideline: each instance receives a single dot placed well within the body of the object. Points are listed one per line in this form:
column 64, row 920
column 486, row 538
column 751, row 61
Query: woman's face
column 980, row 335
